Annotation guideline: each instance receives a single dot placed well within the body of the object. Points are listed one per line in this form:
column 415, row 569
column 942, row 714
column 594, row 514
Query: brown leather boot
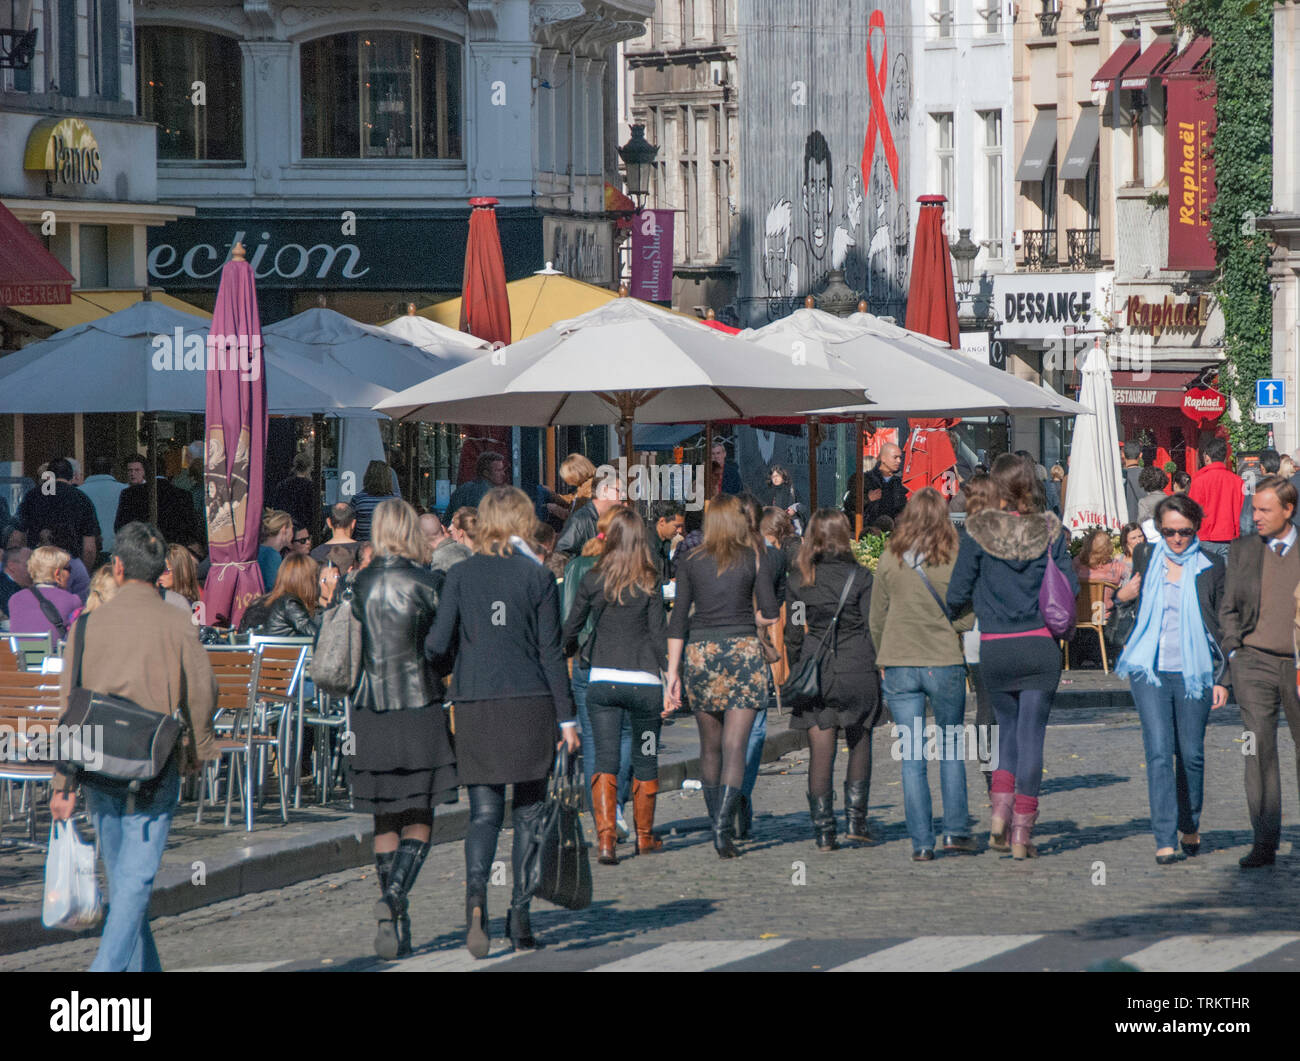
column 643, row 813
column 604, row 800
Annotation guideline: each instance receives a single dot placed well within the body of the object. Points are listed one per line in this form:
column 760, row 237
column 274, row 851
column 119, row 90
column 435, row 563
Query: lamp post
column 838, row 298
column 964, row 253
column 638, row 156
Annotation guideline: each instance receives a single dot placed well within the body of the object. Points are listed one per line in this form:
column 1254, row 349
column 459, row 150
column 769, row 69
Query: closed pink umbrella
column 235, row 439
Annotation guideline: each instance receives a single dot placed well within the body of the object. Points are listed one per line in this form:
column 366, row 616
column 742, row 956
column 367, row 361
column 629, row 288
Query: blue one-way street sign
column 1270, row 393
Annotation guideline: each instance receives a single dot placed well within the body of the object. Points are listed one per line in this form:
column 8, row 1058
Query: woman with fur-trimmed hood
column 1000, row 567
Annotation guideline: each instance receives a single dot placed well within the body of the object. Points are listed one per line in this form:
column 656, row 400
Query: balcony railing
column 1091, row 16
column 1084, row 247
column 1040, row 248
column 1049, row 17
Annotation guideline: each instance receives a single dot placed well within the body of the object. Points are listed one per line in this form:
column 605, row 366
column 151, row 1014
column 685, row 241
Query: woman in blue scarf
column 1175, row 667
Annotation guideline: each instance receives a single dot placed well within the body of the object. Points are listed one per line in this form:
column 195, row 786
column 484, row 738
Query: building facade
column 341, row 143
column 78, row 169
column 681, row 83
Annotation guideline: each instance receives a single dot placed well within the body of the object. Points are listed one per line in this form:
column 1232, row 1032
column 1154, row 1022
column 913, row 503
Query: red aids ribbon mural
column 879, row 117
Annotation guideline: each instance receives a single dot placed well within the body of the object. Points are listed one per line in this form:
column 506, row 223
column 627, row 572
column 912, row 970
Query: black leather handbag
column 803, row 689
column 559, row 869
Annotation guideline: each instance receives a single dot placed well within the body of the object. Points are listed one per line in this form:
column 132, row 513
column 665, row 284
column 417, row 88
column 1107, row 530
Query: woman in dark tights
column 499, row 617
column 850, row 684
column 715, row 663
column 403, row 762
column 1000, row 566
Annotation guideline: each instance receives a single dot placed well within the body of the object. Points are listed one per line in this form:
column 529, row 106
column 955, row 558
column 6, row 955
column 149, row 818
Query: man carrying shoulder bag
column 143, row 650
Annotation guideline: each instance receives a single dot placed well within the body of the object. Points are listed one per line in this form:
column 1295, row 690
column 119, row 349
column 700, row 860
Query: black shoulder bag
column 558, row 868
column 51, row 613
column 803, row 689
column 111, row 738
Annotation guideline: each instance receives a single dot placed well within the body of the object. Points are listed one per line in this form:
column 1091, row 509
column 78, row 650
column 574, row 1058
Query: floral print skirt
column 726, row 673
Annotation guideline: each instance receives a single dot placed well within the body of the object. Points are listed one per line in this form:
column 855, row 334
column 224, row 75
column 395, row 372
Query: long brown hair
column 827, row 536
column 923, row 527
column 185, row 572
column 981, row 493
column 625, row 562
column 296, row 578
column 595, row 546
column 777, row 525
column 1017, row 483
column 1091, row 553
column 728, row 535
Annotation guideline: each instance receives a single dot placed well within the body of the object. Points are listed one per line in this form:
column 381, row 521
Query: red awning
column 1191, row 59
column 1162, row 390
column 29, row 274
column 1115, row 65
column 1148, row 64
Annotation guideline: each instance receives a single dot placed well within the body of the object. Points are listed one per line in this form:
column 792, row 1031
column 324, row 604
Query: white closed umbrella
column 1094, row 495
column 622, row 362
column 432, row 337
column 134, row 361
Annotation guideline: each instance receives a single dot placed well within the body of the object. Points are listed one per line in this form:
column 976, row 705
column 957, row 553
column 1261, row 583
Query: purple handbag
column 1055, row 600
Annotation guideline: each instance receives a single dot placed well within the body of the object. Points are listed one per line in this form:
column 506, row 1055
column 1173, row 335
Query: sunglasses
column 301, row 541
column 1178, row 533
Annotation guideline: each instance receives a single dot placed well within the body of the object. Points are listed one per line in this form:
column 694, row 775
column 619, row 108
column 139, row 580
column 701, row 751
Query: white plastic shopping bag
column 71, row 891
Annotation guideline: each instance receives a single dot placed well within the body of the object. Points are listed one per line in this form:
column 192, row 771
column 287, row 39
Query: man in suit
column 139, row 647
column 176, row 516
column 1257, row 616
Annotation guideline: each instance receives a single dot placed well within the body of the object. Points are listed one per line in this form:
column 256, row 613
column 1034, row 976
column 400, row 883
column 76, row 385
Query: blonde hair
column 273, row 522
column 103, row 587
column 577, row 469
column 595, row 546
column 395, row 531
column 46, row 562
column 505, row 511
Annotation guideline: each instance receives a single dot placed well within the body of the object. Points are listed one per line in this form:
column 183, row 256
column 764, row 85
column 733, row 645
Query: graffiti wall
column 824, row 113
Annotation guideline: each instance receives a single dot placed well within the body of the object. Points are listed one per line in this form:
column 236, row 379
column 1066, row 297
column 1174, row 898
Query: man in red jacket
column 1219, row 492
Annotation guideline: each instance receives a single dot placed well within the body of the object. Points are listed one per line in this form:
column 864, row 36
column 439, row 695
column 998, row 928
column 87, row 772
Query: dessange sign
column 1042, row 306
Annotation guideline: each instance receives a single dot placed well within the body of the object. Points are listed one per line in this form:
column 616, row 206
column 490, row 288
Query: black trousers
column 1262, row 681
column 487, row 810
column 606, row 704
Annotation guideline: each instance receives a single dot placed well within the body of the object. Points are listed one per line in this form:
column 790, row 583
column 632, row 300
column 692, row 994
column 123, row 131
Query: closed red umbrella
column 929, row 459
column 235, row 440
column 485, row 314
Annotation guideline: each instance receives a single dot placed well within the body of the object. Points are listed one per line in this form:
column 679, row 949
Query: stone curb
column 333, row 847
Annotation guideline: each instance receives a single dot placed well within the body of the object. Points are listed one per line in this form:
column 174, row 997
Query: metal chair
column 298, row 694
column 281, row 687
column 16, row 770
column 236, row 674
column 31, row 649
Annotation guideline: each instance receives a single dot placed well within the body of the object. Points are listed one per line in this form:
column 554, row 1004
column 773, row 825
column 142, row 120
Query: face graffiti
column 818, row 192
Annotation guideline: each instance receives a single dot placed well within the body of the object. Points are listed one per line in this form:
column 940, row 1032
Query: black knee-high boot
column 401, row 878
column 385, row 937
column 519, row 927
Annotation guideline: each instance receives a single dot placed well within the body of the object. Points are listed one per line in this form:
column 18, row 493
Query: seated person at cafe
column 46, row 607
column 1097, row 562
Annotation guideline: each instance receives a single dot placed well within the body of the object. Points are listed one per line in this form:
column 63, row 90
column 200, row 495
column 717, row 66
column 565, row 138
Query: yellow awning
column 89, row 306
column 536, row 302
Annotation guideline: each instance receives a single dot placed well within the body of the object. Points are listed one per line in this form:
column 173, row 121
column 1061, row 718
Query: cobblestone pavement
column 1094, row 892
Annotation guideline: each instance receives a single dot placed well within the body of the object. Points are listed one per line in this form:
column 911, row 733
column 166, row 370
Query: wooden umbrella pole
column 708, row 461
column 859, row 476
column 152, row 422
column 549, row 460
column 318, row 473
column 814, row 438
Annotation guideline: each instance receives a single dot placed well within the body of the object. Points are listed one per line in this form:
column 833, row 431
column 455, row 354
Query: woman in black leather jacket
column 403, row 762
column 293, row 605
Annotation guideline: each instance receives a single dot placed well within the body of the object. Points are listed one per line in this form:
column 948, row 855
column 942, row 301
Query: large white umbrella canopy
column 135, row 361
column 905, row 374
column 363, row 350
column 434, row 338
column 1094, row 495
column 624, row 361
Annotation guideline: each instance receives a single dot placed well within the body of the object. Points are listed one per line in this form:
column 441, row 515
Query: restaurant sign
column 1189, row 168
column 1170, row 314
column 1204, row 404
column 66, row 149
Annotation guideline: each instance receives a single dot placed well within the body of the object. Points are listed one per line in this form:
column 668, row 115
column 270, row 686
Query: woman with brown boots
column 625, row 654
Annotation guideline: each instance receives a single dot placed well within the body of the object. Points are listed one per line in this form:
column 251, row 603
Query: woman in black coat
column 403, row 763
column 850, row 682
column 498, row 631
column 625, row 653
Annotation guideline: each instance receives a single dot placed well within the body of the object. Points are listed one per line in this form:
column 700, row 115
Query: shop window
column 169, row 62
column 93, row 243
column 381, row 95
column 992, row 181
column 944, row 160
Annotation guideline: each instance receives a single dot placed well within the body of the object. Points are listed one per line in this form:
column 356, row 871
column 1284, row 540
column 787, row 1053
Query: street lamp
column 838, row 298
column 964, row 253
column 638, row 156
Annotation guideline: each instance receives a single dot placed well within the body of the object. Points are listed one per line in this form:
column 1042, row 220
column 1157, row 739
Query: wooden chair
column 29, row 689
column 9, row 660
column 281, row 674
column 298, row 686
column 1090, row 614
column 236, row 674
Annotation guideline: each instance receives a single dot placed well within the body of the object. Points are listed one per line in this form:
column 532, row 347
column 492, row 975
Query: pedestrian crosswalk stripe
column 935, row 954
column 447, row 961
column 1207, row 954
column 690, row 957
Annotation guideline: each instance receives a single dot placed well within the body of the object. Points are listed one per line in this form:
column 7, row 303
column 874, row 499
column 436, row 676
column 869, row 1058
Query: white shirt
column 1287, row 540
column 104, row 492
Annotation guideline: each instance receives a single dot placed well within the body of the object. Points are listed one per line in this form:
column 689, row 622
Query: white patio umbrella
column 1095, row 491
column 122, row 364
column 622, row 362
column 432, row 337
column 906, row 374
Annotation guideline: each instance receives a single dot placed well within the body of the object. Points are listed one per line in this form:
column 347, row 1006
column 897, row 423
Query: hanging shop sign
column 1044, row 305
column 1170, row 314
column 652, row 256
column 1189, row 169
column 1204, row 404
column 66, row 149
column 581, row 249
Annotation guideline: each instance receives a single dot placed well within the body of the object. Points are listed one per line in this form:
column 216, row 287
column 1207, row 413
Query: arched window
column 191, row 84
column 381, row 95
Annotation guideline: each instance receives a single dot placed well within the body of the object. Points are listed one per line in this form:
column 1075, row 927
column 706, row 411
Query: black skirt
column 504, row 742
column 403, row 760
column 1018, row 664
column 849, row 698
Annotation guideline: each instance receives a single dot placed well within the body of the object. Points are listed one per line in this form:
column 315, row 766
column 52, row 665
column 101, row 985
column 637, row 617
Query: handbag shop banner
column 337, row 252
column 1042, row 305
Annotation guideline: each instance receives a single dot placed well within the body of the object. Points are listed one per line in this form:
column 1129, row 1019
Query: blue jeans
column 906, row 690
column 581, row 680
column 754, row 754
column 1173, row 734
column 131, row 844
